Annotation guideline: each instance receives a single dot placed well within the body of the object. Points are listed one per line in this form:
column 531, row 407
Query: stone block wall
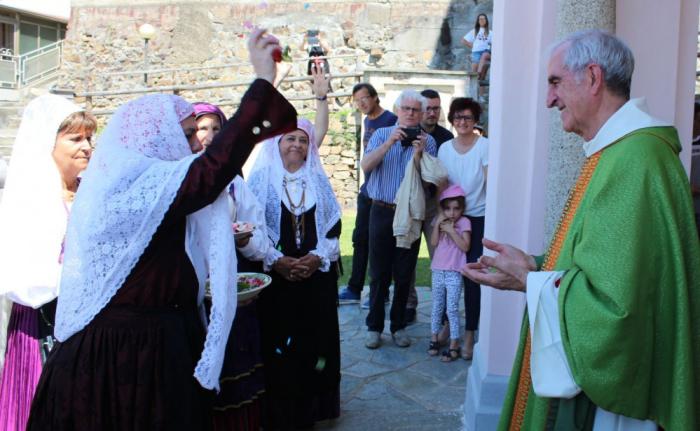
column 103, row 51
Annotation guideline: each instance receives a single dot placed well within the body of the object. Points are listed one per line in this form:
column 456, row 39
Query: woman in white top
column 479, row 40
column 466, row 158
column 53, row 146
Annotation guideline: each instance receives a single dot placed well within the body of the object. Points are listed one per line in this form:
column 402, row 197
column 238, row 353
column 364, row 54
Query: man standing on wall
column 612, row 334
column 367, row 101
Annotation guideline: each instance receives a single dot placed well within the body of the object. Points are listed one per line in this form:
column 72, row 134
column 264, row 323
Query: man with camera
column 429, row 124
column 389, row 151
column 367, row 101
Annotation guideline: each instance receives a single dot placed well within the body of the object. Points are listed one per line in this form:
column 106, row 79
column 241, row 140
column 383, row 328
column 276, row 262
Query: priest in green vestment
column 611, row 336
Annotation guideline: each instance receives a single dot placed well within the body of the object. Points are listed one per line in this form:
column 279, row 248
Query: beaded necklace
column 297, row 220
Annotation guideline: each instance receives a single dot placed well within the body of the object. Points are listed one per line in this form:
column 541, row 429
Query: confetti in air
column 320, row 364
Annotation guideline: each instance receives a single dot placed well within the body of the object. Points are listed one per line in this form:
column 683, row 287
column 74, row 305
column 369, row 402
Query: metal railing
column 40, row 63
column 90, row 93
column 180, row 75
column 8, row 70
column 177, row 89
column 20, row 70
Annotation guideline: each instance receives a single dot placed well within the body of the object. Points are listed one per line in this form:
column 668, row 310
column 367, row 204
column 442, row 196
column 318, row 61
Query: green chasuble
column 629, row 302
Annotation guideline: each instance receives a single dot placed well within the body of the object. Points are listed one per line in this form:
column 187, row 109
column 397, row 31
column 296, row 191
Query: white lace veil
column 138, row 167
column 266, row 178
column 32, row 213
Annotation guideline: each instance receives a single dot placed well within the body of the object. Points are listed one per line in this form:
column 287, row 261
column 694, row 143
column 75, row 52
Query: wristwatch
column 321, row 99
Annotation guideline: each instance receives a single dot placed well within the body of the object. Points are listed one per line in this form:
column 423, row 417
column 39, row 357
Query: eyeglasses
column 363, row 99
column 433, row 109
column 411, row 109
column 460, row 118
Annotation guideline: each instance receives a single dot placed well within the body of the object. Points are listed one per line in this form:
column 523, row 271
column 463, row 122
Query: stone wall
column 104, row 52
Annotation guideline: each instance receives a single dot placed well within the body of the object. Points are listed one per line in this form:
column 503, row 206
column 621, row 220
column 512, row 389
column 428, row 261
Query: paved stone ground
column 393, row 388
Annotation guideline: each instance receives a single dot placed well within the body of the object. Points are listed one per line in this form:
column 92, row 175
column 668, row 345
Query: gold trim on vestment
column 550, row 260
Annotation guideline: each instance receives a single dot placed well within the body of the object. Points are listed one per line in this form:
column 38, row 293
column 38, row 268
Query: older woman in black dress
column 133, row 354
column 298, row 314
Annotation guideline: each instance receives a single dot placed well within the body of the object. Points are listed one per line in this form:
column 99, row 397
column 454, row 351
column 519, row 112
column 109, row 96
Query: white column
column 518, row 122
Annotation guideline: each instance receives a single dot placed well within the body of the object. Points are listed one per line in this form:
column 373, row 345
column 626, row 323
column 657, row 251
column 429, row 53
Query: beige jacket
column 410, row 198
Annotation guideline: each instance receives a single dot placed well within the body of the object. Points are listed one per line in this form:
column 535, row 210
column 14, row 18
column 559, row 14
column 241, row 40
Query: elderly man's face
column 410, row 113
column 568, row 95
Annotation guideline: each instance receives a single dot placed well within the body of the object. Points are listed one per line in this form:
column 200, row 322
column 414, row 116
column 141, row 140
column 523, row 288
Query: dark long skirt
column 238, row 404
column 126, row 358
column 301, row 350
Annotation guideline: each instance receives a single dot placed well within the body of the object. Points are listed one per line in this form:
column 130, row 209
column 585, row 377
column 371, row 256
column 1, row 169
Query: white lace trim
column 32, row 213
column 141, row 162
column 266, row 183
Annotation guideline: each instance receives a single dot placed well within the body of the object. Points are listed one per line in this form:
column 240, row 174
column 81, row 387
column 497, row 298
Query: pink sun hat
column 453, row 191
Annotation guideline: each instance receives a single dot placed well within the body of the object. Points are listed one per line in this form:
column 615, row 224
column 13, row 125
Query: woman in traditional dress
column 132, row 352
column 298, row 311
column 53, row 145
column 238, row 405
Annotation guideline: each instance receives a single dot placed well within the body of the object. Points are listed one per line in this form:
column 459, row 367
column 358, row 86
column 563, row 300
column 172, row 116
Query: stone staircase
column 12, row 103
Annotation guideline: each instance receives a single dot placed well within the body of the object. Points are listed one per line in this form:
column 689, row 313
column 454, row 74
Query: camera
column 412, row 133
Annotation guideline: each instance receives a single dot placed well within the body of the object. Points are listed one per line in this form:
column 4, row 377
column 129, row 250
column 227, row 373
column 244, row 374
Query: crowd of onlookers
column 420, row 179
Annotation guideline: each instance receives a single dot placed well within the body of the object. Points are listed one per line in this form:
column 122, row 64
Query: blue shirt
column 386, row 119
column 386, row 178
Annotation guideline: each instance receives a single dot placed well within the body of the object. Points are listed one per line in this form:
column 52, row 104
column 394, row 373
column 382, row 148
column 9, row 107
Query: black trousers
column 360, row 243
column 472, row 291
column 386, row 261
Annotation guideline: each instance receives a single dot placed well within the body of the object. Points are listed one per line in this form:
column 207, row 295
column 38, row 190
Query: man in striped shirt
column 386, row 157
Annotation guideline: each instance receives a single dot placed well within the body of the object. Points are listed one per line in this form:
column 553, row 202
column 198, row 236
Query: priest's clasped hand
column 507, row 270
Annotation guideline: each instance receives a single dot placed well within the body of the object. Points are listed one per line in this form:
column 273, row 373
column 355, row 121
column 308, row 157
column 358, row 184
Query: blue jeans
column 386, row 261
column 476, row 56
column 360, row 243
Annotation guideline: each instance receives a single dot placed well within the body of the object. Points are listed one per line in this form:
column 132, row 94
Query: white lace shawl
column 133, row 178
column 266, row 183
column 32, row 214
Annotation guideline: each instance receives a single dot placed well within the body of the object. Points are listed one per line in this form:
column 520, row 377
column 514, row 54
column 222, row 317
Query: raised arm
column 320, row 86
column 263, row 113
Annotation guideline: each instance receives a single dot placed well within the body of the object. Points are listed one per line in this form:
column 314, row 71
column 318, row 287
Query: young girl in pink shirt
column 450, row 237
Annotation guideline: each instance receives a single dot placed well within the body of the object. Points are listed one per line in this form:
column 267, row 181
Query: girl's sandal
column 450, row 355
column 434, row 348
column 467, row 356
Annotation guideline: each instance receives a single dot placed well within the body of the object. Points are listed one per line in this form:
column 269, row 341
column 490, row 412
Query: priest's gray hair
column 613, row 56
column 413, row 96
